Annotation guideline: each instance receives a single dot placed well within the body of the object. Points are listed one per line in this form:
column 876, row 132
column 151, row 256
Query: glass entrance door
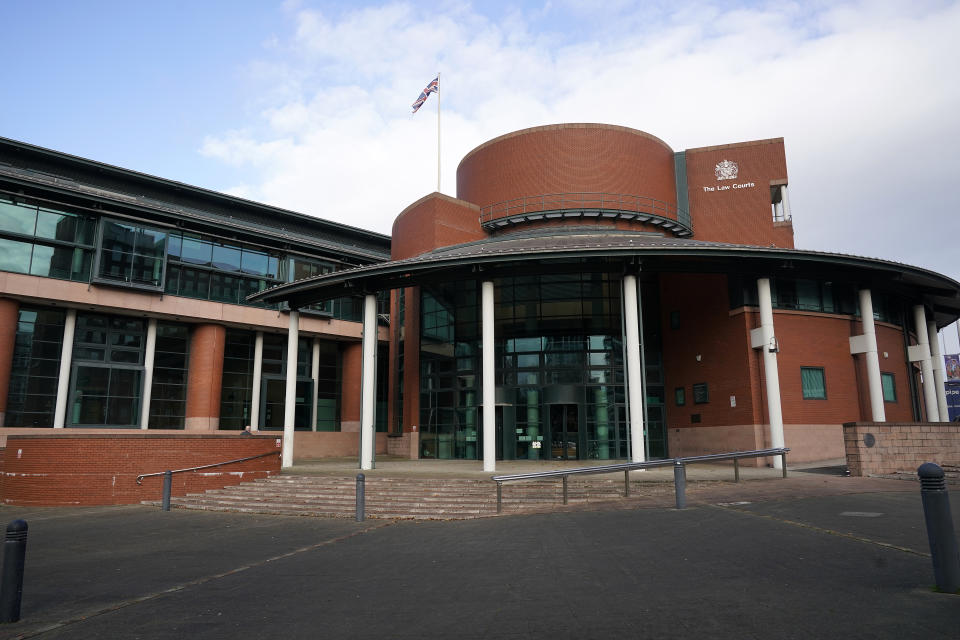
column 564, row 432
column 273, row 400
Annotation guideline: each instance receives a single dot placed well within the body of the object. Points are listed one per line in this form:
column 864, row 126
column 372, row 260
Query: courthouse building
column 590, row 294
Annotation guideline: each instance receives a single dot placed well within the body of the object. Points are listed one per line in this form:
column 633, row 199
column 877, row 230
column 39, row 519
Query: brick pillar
column 205, row 377
column 350, row 386
column 411, row 362
column 9, row 312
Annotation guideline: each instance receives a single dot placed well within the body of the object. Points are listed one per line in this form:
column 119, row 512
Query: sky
column 305, row 104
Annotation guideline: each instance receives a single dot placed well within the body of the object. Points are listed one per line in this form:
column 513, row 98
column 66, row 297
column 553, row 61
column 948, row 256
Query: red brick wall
column 742, row 215
column 434, row 221
column 99, row 470
column 352, row 368
column 888, row 447
column 568, row 158
column 9, row 313
column 205, row 377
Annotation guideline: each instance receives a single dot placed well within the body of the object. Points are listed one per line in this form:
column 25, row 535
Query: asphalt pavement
column 763, row 559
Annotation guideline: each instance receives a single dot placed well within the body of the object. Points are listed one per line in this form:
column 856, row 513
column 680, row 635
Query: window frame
column 704, row 387
column 805, row 394
column 887, row 375
column 95, row 276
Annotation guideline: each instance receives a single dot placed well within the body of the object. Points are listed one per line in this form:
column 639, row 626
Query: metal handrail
column 627, row 467
column 207, row 466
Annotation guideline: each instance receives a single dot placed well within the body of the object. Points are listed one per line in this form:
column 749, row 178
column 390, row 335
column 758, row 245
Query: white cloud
column 859, row 91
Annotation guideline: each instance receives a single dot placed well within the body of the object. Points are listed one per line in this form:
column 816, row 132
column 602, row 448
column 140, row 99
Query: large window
column 235, row 391
column 210, row 269
column 43, row 241
column 36, row 366
column 131, row 254
column 168, row 402
column 814, row 383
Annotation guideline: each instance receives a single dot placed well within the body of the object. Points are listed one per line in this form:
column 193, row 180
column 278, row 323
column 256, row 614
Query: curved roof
column 553, row 250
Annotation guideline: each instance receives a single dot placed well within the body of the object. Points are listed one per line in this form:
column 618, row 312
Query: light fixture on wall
column 699, row 357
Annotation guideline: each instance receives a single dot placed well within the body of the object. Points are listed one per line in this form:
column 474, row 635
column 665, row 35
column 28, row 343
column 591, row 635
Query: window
column 169, row 391
column 813, row 382
column 889, row 384
column 36, row 368
column 680, row 396
column 45, row 242
column 701, row 394
column 131, row 254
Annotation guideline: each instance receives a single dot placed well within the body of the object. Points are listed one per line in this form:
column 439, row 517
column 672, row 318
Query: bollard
column 167, row 485
column 680, row 484
column 361, row 480
column 11, row 582
column 943, row 541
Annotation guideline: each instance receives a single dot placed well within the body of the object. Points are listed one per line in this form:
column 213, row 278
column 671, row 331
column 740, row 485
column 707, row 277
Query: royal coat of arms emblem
column 726, row 170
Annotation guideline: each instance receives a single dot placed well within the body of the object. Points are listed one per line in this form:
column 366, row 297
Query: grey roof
column 553, row 250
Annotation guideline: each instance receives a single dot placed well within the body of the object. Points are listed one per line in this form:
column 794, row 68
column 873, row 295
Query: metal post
column 783, row 463
column 361, row 497
column 11, row 583
column 626, row 483
column 736, row 470
column 564, row 489
column 499, row 497
column 680, row 484
column 167, row 486
column 943, row 541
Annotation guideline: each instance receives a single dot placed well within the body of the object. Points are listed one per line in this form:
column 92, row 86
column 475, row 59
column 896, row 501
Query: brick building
column 592, row 294
column 589, row 294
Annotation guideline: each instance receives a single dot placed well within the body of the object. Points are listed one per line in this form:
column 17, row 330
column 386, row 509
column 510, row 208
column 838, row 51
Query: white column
column 66, row 362
column 939, row 370
column 148, row 357
column 926, row 367
column 771, row 372
column 257, row 378
column 315, row 374
column 368, row 380
column 290, row 400
column 489, row 372
column 869, row 345
column 785, row 203
column 634, row 372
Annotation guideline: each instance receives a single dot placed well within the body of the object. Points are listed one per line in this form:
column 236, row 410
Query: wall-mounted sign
column 953, row 366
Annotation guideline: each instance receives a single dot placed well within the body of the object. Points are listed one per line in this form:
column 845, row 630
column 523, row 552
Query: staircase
column 409, row 498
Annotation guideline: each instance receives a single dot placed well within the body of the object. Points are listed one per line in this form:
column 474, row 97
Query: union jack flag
column 433, row 87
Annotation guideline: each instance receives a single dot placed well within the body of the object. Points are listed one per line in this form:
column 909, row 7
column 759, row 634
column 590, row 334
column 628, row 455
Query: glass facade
column 168, row 394
column 43, row 241
column 559, row 369
column 32, row 395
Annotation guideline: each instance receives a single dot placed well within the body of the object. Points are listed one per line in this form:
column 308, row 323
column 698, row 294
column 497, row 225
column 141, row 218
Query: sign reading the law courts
column 728, row 170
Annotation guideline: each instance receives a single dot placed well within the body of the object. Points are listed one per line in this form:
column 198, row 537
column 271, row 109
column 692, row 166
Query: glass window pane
column 889, row 387
column 194, row 283
column 17, row 218
column 255, row 263
column 151, row 242
column 56, row 225
column 196, row 251
column 224, row 288
column 226, row 257
column 118, row 236
column 813, row 383
column 146, row 270
column 15, row 256
column 115, row 264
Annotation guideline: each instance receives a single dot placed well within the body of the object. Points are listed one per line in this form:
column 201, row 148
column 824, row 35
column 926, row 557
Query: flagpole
column 438, row 132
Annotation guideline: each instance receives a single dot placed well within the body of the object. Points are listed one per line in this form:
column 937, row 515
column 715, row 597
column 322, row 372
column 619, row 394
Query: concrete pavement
column 798, row 558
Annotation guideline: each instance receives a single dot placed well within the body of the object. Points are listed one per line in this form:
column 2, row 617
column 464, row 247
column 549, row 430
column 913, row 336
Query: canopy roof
column 559, row 250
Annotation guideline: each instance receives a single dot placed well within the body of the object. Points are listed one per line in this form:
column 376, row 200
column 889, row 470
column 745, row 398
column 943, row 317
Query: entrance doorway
column 564, row 432
column 273, row 396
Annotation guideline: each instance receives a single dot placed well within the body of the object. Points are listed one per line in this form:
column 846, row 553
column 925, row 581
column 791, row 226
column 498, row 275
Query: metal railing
column 581, row 200
column 627, row 467
column 206, row 466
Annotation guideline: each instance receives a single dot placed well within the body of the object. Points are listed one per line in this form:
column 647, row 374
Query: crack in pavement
column 193, row 583
column 832, row 532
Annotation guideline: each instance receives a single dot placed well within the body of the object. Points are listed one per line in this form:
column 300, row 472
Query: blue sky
column 305, row 104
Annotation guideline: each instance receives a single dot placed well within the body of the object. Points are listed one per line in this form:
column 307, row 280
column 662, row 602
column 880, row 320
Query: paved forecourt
column 848, row 562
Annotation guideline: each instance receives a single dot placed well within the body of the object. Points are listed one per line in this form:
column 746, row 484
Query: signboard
column 953, row 366
column 953, row 400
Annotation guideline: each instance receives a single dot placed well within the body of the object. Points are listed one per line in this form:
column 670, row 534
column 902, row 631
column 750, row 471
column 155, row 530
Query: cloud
column 857, row 89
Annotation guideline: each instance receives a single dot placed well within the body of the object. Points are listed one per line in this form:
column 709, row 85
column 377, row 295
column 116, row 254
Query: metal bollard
column 680, row 484
column 943, row 541
column 167, row 485
column 11, row 582
column 361, row 481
